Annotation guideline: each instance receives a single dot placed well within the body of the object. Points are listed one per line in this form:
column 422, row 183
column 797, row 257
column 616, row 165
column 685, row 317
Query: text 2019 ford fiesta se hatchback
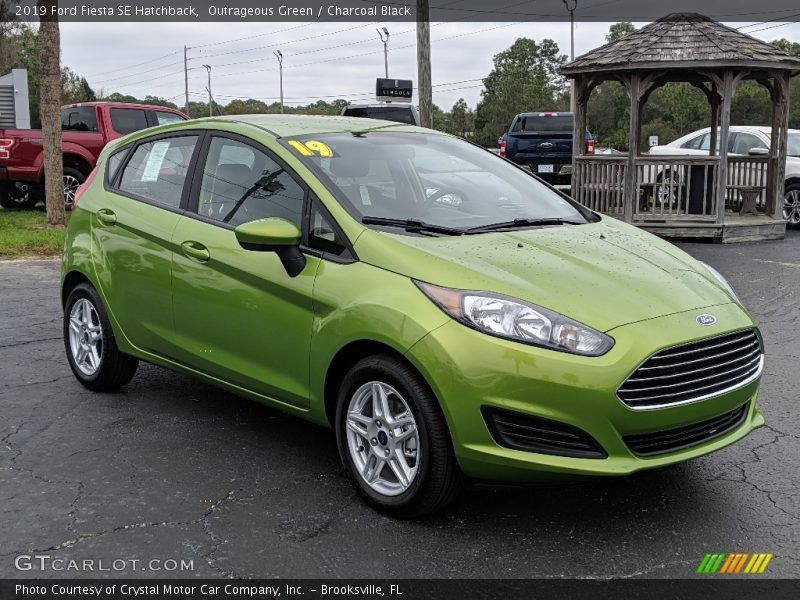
column 445, row 312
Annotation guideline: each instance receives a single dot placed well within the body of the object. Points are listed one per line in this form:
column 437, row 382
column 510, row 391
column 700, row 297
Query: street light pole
column 186, row 75
column 571, row 5
column 384, row 37
column 279, row 56
column 210, row 101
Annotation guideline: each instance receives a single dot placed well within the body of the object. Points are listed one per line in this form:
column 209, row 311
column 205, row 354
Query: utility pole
column 210, row 100
column 186, row 76
column 424, row 64
column 384, row 37
column 571, row 5
column 279, row 56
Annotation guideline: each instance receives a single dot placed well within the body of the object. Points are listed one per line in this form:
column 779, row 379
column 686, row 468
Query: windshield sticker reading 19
column 134, row 10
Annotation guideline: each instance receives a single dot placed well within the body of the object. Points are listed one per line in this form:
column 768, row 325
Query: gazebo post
column 634, row 85
column 724, row 130
column 776, row 167
column 713, row 100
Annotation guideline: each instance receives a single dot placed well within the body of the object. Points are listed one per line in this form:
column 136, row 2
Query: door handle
column 196, row 250
column 106, row 216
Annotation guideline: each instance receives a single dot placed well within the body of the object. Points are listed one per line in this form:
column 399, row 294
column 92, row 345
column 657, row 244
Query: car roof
column 300, row 125
column 735, row 129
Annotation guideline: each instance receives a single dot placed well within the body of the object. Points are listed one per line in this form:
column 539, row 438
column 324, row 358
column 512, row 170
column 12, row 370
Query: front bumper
column 469, row 370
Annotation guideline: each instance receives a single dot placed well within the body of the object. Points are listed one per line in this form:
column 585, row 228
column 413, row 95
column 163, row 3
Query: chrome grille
column 695, row 371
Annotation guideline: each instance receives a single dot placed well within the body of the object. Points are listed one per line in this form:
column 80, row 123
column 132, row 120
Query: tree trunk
column 50, row 112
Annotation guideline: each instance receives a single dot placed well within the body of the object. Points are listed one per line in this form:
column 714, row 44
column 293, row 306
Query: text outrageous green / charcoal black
column 447, row 313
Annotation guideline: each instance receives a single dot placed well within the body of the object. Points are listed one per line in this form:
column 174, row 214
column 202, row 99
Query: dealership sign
column 393, row 90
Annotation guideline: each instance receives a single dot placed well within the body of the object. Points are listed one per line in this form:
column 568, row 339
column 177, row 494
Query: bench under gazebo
column 719, row 196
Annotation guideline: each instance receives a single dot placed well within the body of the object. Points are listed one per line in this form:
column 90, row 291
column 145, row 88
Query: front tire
column 92, row 351
column 73, row 178
column 791, row 205
column 393, row 439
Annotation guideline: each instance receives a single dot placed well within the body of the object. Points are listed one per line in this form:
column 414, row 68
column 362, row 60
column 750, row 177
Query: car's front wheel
column 92, row 351
column 393, row 439
column 791, row 205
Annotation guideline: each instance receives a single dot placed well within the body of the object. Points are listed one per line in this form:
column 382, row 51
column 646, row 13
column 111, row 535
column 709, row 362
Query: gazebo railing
column 676, row 187
column 598, row 182
column 747, row 172
column 667, row 188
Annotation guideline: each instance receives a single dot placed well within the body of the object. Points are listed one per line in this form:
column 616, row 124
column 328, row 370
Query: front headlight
column 718, row 276
column 518, row 320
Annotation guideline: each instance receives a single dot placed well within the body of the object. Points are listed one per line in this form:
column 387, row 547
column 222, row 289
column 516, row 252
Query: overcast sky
column 321, row 60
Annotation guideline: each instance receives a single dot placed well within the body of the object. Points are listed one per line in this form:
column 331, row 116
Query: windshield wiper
column 518, row 223
column 412, row 225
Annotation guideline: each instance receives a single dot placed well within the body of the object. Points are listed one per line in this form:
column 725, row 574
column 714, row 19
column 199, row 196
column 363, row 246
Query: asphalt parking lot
column 171, row 468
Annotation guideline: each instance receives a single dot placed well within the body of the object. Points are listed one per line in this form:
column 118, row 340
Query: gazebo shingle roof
column 685, row 40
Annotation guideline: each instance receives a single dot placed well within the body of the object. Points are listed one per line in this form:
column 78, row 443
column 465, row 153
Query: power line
column 147, row 62
column 343, row 58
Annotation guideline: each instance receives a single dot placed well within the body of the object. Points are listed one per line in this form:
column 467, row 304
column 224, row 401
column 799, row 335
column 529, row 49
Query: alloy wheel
column 791, row 207
column 71, row 185
column 85, row 337
column 383, row 438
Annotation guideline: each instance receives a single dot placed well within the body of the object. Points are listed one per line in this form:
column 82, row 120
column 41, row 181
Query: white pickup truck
column 747, row 141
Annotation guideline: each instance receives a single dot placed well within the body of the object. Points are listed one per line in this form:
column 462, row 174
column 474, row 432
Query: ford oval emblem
column 706, row 320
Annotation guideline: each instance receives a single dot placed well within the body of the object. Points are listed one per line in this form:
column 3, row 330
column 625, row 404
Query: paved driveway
column 172, row 469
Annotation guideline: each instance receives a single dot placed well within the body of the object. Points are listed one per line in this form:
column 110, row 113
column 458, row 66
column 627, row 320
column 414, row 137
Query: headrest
column 349, row 167
column 234, row 173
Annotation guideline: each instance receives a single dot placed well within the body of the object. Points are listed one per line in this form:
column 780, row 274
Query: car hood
column 603, row 274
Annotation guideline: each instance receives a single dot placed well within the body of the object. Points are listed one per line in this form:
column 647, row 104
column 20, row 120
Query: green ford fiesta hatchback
column 445, row 312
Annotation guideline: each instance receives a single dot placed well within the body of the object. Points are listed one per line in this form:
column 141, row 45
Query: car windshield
column 433, row 179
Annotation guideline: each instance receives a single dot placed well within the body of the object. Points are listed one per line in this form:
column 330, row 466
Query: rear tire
column 92, row 351
column 404, row 448
column 12, row 197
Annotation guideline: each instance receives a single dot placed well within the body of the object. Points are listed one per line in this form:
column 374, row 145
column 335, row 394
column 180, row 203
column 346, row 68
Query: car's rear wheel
column 14, row 196
column 791, row 205
column 92, row 351
column 393, row 439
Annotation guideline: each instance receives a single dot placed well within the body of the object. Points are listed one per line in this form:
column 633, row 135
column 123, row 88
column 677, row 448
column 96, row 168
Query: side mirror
column 274, row 235
column 758, row 152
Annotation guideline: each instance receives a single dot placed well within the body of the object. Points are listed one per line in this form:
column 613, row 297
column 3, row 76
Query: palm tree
column 50, row 110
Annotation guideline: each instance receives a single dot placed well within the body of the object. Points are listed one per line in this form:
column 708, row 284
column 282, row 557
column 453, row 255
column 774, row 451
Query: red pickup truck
column 86, row 129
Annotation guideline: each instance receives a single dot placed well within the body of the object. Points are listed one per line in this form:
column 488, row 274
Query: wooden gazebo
column 686, row 196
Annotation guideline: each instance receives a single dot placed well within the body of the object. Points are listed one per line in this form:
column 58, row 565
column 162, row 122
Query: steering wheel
column 430, row 200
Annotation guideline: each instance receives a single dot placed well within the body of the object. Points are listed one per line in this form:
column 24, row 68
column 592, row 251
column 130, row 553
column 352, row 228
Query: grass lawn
column 25, row 233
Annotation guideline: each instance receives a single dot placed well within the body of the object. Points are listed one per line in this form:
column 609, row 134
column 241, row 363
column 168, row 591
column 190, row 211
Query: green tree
column 619, row 30
column 524, row 78
column 462, row 119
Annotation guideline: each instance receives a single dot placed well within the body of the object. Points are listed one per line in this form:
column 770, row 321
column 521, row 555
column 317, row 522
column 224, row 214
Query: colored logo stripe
column 734, row 563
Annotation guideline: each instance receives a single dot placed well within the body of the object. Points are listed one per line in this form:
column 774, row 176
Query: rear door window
column 157, row 170
column 81, row 118
column 128, row 120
